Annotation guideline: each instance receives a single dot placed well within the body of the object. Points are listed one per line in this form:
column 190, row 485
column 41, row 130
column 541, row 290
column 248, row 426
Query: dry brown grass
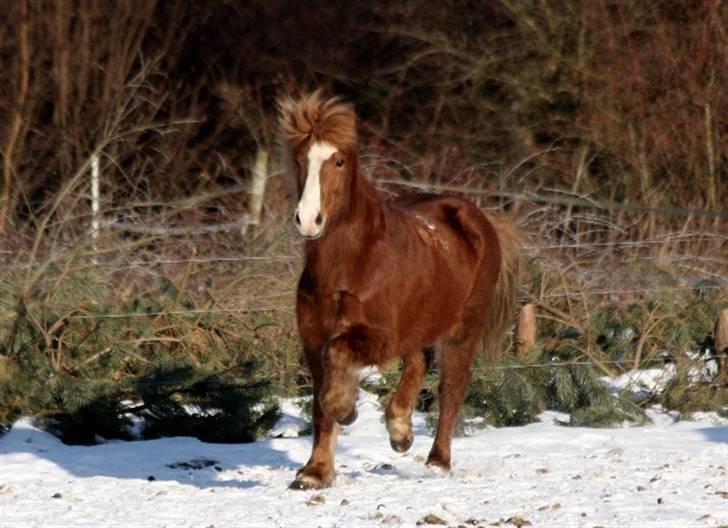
column 596, row 126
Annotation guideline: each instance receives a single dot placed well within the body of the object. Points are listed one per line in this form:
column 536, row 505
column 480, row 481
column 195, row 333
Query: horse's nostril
column 319, row 220
column 298, row 219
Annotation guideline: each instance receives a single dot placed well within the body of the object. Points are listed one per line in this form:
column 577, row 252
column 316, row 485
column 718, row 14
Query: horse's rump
column 493, row 244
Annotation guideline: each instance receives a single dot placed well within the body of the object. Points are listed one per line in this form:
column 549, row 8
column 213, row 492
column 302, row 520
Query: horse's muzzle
column 309, row 224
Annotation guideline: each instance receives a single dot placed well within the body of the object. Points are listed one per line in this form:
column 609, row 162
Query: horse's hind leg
column 399, row 410
column 455, row 361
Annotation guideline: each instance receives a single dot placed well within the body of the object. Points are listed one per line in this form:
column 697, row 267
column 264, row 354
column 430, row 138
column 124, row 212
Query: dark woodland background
column 623, row 100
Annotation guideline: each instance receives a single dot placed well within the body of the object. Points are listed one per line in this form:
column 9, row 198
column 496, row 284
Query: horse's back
column 459, row 217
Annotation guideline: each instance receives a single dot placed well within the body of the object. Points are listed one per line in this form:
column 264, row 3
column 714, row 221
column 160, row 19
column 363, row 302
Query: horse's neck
column 358, row 225
column 366, row 206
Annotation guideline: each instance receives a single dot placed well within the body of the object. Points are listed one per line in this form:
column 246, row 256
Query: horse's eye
column 339, row 163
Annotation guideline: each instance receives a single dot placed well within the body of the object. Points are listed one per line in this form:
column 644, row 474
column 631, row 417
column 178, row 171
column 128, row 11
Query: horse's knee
column 340, row 382
column 338, row 401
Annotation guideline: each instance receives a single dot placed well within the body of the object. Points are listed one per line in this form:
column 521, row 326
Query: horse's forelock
column 313, row 119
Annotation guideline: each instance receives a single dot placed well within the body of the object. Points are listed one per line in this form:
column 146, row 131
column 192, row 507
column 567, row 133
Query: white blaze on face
column 309, row 216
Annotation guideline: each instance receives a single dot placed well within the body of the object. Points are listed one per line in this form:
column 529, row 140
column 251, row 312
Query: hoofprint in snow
column 670, row 473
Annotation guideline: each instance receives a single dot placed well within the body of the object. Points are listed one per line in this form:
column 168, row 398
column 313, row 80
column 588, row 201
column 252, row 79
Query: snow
column 671, row 473
column 642, row 382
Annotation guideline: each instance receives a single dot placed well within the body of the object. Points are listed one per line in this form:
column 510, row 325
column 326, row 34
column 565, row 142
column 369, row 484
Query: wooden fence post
column 95, row 199
column 257, row 191
column 526, row 330
column 721, row 338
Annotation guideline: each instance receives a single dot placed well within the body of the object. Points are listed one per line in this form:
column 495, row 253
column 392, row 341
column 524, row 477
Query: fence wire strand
column 480, row 369
column 265, row 308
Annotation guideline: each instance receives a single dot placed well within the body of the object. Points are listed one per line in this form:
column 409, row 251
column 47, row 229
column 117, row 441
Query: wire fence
column 699, row 283
column 618, row 291
column 712, row 282
column 558, row 363
column 183, row 313
column 556, row 198
column 212, row 259
column 373, row 372
column 291, row 293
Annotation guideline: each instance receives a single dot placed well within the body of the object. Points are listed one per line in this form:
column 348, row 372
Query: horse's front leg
column 335, row 372
column 319, row 470
column 340, row 384
column 335, row 386
column 399, row 410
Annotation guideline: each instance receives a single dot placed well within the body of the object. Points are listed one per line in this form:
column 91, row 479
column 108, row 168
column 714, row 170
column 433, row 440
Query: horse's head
column 320, row 136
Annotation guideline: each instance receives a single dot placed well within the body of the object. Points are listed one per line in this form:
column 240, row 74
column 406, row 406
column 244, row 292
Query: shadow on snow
column 185, row 460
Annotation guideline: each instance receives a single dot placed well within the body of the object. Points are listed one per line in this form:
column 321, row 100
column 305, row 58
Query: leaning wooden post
column 526, row 330
column 95, row 199
column 721, row 338
column 257, row 191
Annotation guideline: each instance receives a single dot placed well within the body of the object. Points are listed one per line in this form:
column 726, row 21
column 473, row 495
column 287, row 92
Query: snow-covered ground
column 670, row 473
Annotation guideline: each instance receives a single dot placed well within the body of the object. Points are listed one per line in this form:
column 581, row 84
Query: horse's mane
column 314, row 119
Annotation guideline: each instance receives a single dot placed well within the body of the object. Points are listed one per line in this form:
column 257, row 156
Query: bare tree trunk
column 17, row 118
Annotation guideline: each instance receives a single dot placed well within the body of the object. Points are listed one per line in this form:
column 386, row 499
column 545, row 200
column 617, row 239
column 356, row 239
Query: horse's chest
column 337, row 311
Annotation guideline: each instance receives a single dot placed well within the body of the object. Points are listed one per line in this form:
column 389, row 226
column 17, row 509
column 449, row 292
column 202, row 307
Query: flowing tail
column 503, row 309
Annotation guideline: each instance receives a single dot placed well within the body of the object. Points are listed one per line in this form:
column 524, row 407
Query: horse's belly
column 426, row 307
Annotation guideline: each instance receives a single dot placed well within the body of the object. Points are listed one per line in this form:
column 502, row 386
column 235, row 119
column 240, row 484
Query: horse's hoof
column 304, row 485
column 400, row 433
column 306, row 482
column 437, row 464
column 402, row 444
column 350, row 418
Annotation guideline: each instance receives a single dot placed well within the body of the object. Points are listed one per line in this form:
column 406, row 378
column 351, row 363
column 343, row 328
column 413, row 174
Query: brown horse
column 386, row 279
